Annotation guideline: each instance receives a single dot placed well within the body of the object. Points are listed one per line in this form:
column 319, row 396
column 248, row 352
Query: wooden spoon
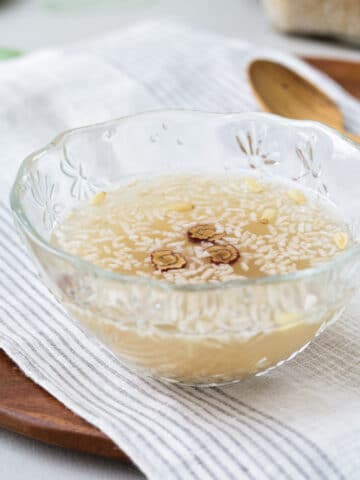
column 282, row 91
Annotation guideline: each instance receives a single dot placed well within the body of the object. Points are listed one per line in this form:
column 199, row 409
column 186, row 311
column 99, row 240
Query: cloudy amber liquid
column 120, row 232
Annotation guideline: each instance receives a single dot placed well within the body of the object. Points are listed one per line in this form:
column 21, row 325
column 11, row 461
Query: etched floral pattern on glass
column 256, row 148
column 83, row 184
column 44, row 194
column 310, row 174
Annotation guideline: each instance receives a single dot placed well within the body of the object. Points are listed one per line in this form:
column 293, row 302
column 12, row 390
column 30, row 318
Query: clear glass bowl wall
column 181, row 333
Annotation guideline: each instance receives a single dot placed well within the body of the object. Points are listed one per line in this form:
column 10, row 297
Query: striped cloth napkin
column 301, row 421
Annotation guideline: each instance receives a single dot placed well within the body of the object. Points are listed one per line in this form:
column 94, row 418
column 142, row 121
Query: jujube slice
column 204, row 231
column 223, row 253
column 166, row 259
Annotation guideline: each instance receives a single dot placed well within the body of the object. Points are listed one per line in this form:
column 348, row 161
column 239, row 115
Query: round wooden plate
column 27, row 409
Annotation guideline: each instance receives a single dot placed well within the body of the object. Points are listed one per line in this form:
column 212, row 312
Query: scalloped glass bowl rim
column 29, row 230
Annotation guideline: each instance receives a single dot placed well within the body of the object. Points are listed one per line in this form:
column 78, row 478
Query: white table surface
column 27, row 25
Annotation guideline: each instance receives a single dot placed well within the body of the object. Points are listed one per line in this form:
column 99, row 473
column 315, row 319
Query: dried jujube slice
column 223, row 253
column 166, row 259
column 204, row 231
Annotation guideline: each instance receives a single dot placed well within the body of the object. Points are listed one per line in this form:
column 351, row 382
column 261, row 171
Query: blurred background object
column 6, row 53
column 31, row 24
column 338, row 18
column 92, row 4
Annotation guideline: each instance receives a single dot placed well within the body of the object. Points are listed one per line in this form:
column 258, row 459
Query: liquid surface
column 271, row 228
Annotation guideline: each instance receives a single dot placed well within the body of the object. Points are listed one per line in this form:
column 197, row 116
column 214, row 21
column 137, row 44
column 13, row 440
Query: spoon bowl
column 284, row 92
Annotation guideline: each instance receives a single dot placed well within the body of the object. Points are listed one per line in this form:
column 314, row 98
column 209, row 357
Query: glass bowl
column 181, row 333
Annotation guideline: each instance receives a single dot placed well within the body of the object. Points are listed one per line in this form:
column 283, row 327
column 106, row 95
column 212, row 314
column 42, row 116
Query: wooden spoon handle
column 352, row 136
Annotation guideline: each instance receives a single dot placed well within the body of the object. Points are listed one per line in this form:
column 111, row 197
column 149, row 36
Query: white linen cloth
column 301, row 421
